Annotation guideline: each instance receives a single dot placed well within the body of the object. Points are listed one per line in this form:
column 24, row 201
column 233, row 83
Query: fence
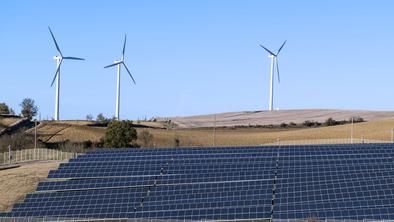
column 19, row 156
column 325, row 141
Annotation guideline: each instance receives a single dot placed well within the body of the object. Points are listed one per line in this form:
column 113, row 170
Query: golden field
column 81, row 131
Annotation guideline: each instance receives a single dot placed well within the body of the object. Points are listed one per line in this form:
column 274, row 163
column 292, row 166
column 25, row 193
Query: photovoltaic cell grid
column 338, row 182
column 176, row 184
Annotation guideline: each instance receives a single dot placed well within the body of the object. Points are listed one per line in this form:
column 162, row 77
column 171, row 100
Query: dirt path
column 16, row 183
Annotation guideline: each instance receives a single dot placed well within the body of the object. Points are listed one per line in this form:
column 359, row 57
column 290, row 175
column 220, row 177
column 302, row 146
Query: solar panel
column 334, row 182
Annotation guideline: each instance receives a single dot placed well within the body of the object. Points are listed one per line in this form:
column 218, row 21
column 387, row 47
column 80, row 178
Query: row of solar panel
column 264, row 163
column 283, row 172
column 300, row 154
column 241, row 148
column 148, row 181
column 232, row 213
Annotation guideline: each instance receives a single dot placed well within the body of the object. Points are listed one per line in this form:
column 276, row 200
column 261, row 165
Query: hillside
column 372, row 130
column 276, row 117
column 16, row 183
column 11, row 123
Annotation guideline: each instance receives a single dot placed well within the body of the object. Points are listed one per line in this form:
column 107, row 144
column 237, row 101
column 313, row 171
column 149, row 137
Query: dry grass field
column 9, row 121
column 75, row 131
column 276, row 117
column 372, row 130
column 17, row 182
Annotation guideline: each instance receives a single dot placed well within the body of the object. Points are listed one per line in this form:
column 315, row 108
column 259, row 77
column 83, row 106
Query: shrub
column 119, row 134
column 356, row 119
column 283, row 125
column 309, row 123
column 330, row 122
column 177, row 141
column 292, row 124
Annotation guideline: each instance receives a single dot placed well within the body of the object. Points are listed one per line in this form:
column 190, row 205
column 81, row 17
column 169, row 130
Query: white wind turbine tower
column 59, row 59
column 119, row 63
column 274, row 61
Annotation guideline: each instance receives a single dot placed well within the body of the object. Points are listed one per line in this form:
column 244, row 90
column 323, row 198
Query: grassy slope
column 16, row 183
column 373, row 130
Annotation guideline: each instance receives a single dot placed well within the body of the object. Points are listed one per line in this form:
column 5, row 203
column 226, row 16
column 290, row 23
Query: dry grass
column 276, row 117
column 373, row 130
column 16, row 183
column 9, row 121
column 60, row 131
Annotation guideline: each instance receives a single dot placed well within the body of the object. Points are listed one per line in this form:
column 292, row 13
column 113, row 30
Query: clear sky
column 196, row 57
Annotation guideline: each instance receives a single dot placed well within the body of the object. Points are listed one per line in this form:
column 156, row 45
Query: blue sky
column 197, row 57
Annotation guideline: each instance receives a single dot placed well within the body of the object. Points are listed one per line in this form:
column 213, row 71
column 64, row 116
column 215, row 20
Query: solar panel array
column 239, row 183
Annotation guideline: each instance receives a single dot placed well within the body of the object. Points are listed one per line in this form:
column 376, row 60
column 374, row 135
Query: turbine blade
column 281, row 47
column 267, row 50
column 124, row 45
column 113, row 64
column 57, row 46
column 277, row 68
column 73, row 58
column 129, row 72
column 57, row 71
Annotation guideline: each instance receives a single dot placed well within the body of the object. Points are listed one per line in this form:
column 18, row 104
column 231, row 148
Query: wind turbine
column 274, row 61
column 119, row 63
column 59, row 59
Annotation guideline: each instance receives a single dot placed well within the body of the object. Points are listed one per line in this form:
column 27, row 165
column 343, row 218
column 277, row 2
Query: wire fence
column 26, row 155
column 325, row 141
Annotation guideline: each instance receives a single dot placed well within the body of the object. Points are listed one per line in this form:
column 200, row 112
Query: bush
column 357, row 119
column 283, row 125
column 309, row 123
column 146, row 138
column 330, row 122
column 292, row 124
column 119, row 134
column 177, row 142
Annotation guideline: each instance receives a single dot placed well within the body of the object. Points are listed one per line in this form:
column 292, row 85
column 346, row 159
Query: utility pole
column 351, row 133
column 392, row 135
column 214, row 130
column 35, row 134
column 9, row 153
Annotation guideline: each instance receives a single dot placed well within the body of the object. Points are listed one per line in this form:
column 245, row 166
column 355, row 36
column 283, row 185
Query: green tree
column 89, row 117
column 119, row 134
column 29, row 109
column 4, row 109
column 101, row 118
